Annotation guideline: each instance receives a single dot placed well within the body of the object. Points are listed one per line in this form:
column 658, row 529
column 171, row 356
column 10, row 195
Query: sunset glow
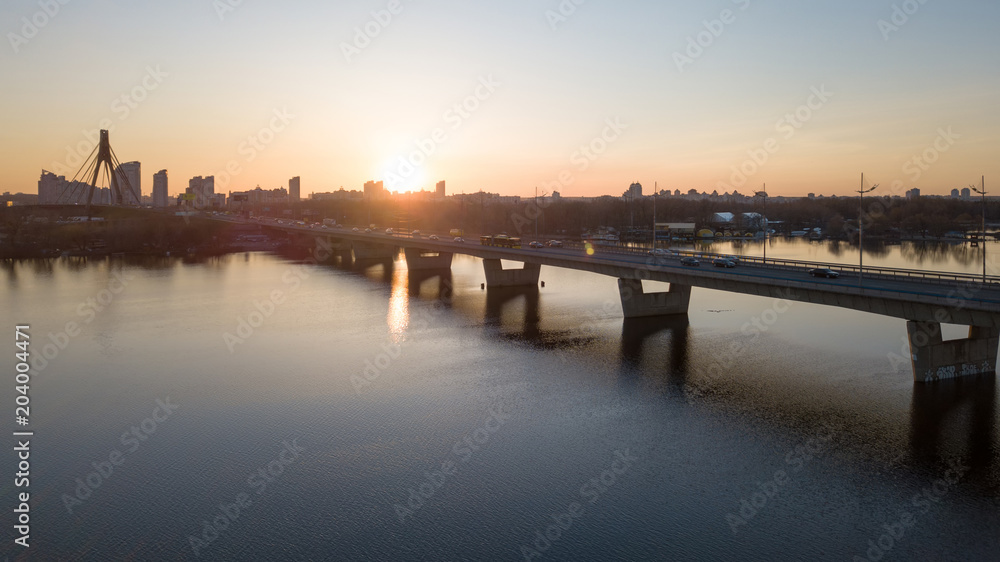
column 722, row 96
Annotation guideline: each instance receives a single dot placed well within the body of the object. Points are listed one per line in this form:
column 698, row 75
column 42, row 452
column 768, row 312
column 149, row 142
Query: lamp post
column 983, row 193
column 763, row 194
column 654, row 215
column 861, row 226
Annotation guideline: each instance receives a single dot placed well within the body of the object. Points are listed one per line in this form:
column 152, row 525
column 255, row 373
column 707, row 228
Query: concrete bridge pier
column 935, row 359
column 637, row 304
column 417, row 259
column 368, row 251
column 497, row 276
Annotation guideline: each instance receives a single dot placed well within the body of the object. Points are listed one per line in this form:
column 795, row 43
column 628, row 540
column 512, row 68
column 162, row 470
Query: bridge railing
column 868, row 272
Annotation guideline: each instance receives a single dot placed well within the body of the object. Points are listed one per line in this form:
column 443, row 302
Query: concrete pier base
column 935, row 359
column 637, row 304
column 363, row 251
column 417, row 259
column 497, row 276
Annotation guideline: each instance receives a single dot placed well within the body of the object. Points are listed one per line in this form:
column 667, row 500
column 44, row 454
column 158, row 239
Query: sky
column 583, row 97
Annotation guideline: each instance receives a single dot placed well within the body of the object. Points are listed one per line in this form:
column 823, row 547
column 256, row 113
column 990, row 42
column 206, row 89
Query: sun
column 403, row 173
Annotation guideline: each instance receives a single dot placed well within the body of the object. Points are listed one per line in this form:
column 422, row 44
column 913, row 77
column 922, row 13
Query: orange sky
column 509, row 97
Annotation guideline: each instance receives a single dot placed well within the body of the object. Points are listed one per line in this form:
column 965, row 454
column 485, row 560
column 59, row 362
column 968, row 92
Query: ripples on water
column 708, row 424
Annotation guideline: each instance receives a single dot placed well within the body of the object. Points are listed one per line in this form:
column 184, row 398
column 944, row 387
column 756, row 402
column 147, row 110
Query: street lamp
column 983, row 193
column 763, row 194
column 861, row 226
column 654, row 214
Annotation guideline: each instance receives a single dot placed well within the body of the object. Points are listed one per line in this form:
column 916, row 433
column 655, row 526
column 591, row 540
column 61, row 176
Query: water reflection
column 955, row 419
column 515, row 299
column 398, row 317
column 637, row 332
column 376, row 269
column 417, row 277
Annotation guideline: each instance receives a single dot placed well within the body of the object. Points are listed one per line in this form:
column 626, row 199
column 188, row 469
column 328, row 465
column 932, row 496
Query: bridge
column 925, row 299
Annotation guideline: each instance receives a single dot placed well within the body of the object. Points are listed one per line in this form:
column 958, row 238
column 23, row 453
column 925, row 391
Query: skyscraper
column 635, row 190
column 160, row 189
column 440, row 189
column 131, row 172
column 373, row 190
column 293, row 190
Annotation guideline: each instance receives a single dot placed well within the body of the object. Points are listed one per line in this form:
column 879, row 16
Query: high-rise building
column 203, row 190
column 440, row 189
column 56, row 190
column 160, row 189
column 635, row 190
column 131, row 172
column 966, row 193
column 374, row 190
column 293, row 190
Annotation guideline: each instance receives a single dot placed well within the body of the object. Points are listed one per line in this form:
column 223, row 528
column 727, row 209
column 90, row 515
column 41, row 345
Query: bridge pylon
column 103, row 158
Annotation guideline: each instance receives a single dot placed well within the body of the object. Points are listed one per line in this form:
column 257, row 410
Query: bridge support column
column 420, row 259
column 497, row 276
column 935, row 359
column 637, row 304
column 363, row 251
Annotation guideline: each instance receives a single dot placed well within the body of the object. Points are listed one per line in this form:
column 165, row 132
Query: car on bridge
column 690, row 262
column 555, row 244
column 536, row 244
column 389, row 231
column 459, row 239
column 433, row 237
column 723, row 262
column 824, row 272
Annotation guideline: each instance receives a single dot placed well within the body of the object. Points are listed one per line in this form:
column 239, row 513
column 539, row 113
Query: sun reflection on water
column 398, row 318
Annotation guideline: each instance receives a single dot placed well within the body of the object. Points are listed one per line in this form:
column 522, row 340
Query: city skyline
column 582, row 99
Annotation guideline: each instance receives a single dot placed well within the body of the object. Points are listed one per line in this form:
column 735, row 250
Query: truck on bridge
column 500, row 241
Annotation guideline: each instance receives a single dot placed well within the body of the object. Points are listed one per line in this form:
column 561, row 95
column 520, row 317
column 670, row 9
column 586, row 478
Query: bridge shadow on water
column 640, row 333
column 956, row 419
column 442, row 289
column 514, row 314
column 522, row 304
